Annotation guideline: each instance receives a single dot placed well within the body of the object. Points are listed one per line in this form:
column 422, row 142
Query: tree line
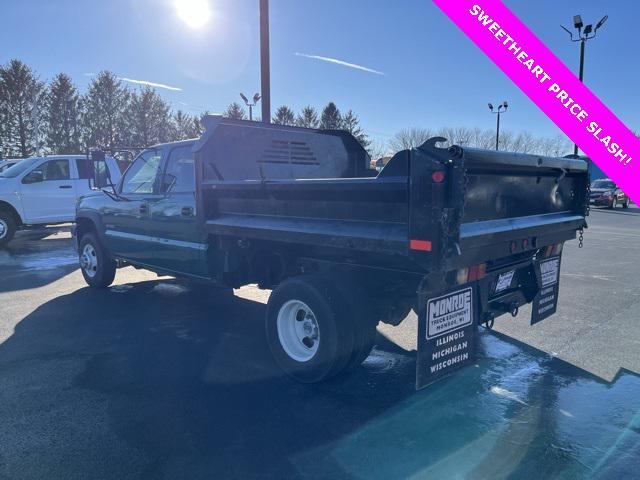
column 36, row 117
column 330, row 118
column 56, row 118
column 522, row 142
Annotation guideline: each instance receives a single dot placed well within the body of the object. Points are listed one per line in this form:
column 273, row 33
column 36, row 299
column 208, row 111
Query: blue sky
column 433, row 76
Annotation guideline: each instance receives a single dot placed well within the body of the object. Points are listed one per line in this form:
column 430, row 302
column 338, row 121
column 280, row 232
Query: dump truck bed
column 429, row 209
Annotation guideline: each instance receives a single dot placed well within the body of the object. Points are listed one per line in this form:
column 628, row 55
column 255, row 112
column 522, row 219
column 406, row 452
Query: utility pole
column 501, row 109
column 588, row 33
column 264, row 61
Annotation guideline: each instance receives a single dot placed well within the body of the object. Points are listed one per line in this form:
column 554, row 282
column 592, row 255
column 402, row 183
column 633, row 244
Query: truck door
column 48, row 193
column 180, row 242
column 128, row 221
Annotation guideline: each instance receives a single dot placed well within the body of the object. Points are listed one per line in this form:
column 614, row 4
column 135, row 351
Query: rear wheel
column 309, row 327
column 7, row 228
column 98, row 269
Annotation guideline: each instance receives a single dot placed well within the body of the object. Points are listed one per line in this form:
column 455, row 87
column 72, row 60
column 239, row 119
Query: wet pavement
column 155, row 378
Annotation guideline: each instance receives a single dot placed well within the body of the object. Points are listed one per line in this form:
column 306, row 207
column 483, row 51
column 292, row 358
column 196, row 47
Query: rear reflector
column 438, row 176
column 422, row 245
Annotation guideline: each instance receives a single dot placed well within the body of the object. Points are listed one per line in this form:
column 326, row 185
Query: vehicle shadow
column 161, row 380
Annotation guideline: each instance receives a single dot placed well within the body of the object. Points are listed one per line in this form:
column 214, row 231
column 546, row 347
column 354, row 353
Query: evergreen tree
column 185, row 126
column 331, row 118
column 148, row 118
column 284, row 116
column 351, row 124
column 199, row 122
column 105, row 108
column 22, row 101
column 308, row 118
column 235, row 111
column 63, row 116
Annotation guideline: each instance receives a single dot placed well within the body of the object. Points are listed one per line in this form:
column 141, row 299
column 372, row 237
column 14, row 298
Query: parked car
column 45, row 190
column 605, row 193
column 6, row 164
column 476, row 233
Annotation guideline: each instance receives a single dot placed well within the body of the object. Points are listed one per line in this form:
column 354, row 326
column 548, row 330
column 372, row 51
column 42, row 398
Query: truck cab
column 152, row 221
column 45, row 190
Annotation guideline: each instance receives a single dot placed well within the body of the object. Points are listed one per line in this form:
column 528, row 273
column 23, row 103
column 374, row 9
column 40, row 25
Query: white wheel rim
column 4, row 228
column 89, row 260
column 298, row 330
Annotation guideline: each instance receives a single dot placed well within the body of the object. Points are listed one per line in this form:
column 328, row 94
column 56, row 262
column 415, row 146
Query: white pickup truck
column 44, row 190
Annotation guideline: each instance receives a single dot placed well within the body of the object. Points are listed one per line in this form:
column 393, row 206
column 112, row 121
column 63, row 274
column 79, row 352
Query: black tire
column 363, row 342
column 102, row 273
column 366, row 321
column 625, row 204
column 333, row 318
column 7, row 228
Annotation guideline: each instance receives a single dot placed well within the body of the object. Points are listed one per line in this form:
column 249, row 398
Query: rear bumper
column 601, row 201
column 494, row 239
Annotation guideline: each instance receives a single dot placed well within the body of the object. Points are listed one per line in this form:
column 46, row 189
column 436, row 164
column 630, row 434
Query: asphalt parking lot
column 155, row 378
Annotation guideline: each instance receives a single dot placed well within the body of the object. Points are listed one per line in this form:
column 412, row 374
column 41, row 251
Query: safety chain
column 581, row 238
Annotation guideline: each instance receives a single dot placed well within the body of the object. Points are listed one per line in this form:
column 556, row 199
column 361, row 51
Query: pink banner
column 551, row 86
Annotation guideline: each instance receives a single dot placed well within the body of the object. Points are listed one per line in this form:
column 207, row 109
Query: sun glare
column 195, row 13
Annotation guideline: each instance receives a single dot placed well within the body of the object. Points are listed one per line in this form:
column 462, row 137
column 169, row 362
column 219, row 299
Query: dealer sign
column 446, row 335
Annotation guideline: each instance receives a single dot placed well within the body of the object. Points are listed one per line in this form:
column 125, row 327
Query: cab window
column 179, row 176
column 54, row 170
column 141, row 176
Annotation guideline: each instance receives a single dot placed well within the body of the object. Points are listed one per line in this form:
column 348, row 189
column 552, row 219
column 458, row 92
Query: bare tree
column 409, row 138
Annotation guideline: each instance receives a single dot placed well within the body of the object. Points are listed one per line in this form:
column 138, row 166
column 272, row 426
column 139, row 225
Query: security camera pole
column 264, row 61
column 256, row 99
column 501, row 109
column 588, row 33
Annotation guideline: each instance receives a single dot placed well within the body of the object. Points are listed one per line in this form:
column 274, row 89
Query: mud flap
column 545, row 302
column 447, row 333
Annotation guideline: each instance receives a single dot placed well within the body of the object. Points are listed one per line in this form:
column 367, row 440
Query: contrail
column 151, row 84
column 341, row 62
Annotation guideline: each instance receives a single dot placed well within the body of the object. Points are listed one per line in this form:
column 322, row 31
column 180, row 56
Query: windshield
column 18, row 168
column 603, row 184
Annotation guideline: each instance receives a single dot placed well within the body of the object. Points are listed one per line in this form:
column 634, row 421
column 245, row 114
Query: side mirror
column 36, row 176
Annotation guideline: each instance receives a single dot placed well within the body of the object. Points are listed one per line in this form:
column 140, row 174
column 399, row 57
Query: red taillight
column 438, row 176
column 477, row 272
column 422, row 245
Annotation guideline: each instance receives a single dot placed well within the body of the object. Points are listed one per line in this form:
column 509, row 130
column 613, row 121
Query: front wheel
column 626, row 204
column 7, row 228
column 309, row 328
column 98, row 269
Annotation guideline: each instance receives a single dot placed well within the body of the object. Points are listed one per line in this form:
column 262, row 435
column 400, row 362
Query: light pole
column 501, row 109
column 588, row 33
column 256, row 99
column 265, row 72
